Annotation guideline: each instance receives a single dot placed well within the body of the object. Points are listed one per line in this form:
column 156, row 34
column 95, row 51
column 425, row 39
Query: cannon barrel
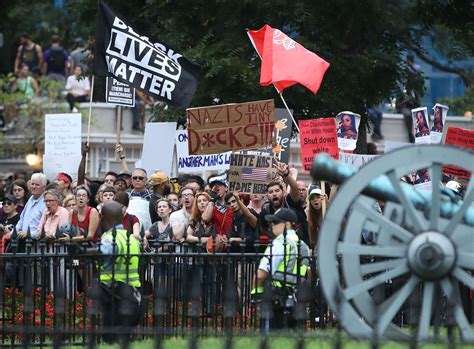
column 380, row 188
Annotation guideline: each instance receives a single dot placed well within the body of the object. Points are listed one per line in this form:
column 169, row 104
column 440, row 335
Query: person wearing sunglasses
column 139, row 181
column 10, row 203
column 140, row 198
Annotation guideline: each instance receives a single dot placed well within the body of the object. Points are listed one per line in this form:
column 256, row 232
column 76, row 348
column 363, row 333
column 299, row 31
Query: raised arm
column 207, row 214
column 284, row 171
column 249, row 216
column 81, row 171
column 121, row 154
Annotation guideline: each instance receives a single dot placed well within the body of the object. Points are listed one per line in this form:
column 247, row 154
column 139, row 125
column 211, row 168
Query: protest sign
column 62, row 142
column 119, row 93
column 461, row 138
column 317, row 136
column 283, row 126
column 195, row 163
column 421, row 125
column 347, row 130
column 158, row 146
column 250, row 174
column 52, row 165
column 439, row 119
column 221, row 128
column 142, row 62
column 356, row 160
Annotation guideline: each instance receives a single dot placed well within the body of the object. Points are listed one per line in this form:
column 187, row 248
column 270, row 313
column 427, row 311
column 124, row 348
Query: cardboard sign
column 195, row 163
column 461, row 138
column 227, row 127
column 158, row 146
column 62, row 144
column 283, row 126
column 250, row 174
column 356, row 160
column 119, row 93
column 317, row 136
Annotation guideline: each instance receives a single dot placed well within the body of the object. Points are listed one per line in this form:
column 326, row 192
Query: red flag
column 285, row 62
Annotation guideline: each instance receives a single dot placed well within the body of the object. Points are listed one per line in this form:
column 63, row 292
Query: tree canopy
column 363, row 40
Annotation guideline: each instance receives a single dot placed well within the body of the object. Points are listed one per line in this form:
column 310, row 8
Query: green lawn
column 276, row 343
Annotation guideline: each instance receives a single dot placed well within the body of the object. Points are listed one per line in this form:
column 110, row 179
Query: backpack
column 56, row 60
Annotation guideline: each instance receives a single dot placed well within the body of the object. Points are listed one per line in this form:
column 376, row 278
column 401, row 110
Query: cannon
column 410, row 278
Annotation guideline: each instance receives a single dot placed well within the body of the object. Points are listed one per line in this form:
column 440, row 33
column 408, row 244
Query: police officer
column 120, row 283
column 286, row 260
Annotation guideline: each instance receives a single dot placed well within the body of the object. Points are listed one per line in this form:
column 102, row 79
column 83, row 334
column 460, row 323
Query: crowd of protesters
column 191, row 210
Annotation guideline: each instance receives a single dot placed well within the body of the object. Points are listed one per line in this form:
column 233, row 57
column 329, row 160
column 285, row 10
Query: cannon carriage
column 415, row 274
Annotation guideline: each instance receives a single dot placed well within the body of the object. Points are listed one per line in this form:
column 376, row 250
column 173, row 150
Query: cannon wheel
column 426, row 257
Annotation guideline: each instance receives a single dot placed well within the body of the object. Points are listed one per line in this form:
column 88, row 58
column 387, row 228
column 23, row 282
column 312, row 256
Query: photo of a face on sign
column 421, row 125
column 347, row 129
column 439, row 117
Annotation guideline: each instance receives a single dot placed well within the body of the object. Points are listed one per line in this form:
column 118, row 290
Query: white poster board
column 347, row 130
column 356, row 160
column 198, row 163
column 62, row 144
column 421, row 125
column 439, row 120
column 158, row 146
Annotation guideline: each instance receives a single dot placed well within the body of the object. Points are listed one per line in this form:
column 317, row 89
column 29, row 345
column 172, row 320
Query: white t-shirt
column 80, row 87
column 177, row 218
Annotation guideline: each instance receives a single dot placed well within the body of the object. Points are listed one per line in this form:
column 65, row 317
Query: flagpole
column 89, row 122
column 289, row 112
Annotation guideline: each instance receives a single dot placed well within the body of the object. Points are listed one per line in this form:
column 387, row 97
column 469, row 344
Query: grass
column 276, row 342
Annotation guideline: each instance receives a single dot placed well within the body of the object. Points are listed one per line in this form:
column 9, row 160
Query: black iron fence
column 50, row 293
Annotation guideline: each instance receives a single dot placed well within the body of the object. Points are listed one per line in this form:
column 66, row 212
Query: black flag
column 141, row 62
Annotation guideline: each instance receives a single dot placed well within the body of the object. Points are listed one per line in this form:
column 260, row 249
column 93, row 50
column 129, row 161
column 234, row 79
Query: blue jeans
column 376, row 117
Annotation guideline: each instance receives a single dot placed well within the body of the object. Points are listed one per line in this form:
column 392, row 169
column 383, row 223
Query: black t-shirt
column 302, row 227
column 241, row 228
column 152, row 207
column 10, row 223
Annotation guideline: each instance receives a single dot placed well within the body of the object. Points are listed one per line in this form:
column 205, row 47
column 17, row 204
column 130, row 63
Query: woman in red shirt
column 85, row 217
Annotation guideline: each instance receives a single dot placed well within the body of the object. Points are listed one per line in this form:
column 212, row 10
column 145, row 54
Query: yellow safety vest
column 126, row 257
column 295, row 263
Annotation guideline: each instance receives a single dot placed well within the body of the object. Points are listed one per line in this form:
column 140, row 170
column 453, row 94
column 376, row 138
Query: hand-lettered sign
column 221, row 128
column 461, row 138
column 317, row 136
column 251, row 173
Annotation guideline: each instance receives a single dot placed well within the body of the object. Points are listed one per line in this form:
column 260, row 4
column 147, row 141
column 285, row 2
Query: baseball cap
column 454, row 186
column 125, row 174
column 218, row 179
column 11, row 198
column 315, row 191
column 157, row 178
column 282, row 215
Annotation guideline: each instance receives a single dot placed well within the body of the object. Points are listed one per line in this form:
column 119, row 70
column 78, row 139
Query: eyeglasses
column 81, row 195
column 187, row 196
column 8, row 203
column 138, row 178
